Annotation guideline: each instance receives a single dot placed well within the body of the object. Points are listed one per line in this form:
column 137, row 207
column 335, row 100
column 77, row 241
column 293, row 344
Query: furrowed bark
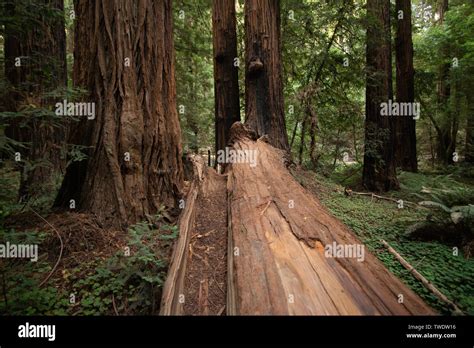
column 264, row 88
column 226, row 79
column 124, row 57
column 379, row 165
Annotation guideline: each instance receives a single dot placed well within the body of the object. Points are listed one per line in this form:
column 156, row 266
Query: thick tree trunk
column 226, row 79
column 124, row 57
column 264, row 89
column 40, row 52
column 446, row 143
column 405, row 127
column 379, row 167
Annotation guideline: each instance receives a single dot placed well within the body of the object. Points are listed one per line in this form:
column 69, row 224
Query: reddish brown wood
column 124, row 57
column 263, row 82
column 405, row 127
column 226, row 79
column 277, row 263
column 379, row 165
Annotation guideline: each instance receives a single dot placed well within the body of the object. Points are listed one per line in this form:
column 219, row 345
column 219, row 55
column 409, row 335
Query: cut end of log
column 240, row 131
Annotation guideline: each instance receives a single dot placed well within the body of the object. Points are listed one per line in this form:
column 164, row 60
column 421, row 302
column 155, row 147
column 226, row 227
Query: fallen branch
column 114, row 305
column 422, row 279
column 60, row 252
column 373, row 195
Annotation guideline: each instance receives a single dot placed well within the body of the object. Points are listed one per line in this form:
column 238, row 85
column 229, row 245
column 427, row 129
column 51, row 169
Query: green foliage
column 22, row 294
column 450, row 214
column 194, row 72
column 330, row 81
column 133, row 282
column 373, row 220
column 126, row 284
column 444, row 47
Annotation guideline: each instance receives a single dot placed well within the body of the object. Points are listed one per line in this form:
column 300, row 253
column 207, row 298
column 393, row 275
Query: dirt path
column 206, row 272
column 197, row 278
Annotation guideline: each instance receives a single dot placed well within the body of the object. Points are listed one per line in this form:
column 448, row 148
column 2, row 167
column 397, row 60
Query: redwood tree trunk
column 136, row 114
column 405, row 127
column 226, row 79
column 264, row 89
column 41, row 48
column 447, row 135
column 379, row 168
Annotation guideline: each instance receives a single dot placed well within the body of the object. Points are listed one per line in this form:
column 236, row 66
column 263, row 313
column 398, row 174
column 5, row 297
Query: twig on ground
column 114, row 305
column 60, row 252
column 373, row 195
column 422, row 279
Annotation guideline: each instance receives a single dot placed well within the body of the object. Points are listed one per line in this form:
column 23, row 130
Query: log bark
column 263, row 81
column 226, row 79
column 172, row 302
column 276, row 258
column 124, row 58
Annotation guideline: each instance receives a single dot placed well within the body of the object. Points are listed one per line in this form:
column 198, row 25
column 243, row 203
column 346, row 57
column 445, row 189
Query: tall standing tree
column 35, row 66
column 124, row 57
column 405, row 127
column 263, row 81
column 447, row 128
column 226, row 78
column 379, row 166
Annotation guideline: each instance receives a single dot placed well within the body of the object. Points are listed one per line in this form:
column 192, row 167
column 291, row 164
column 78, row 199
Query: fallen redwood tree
column 278, row 237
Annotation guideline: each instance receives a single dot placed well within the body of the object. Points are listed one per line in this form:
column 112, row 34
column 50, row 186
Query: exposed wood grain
column 280, row 267
column 173, row 288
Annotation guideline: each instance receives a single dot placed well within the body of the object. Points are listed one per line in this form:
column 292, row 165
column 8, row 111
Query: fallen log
column 426, row 283
column 172, row 298
column 279, row 237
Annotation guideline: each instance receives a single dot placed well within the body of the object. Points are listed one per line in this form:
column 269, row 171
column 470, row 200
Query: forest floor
column 93, row 277
column 83, row 268
column 374, row 219
column 205, row 280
